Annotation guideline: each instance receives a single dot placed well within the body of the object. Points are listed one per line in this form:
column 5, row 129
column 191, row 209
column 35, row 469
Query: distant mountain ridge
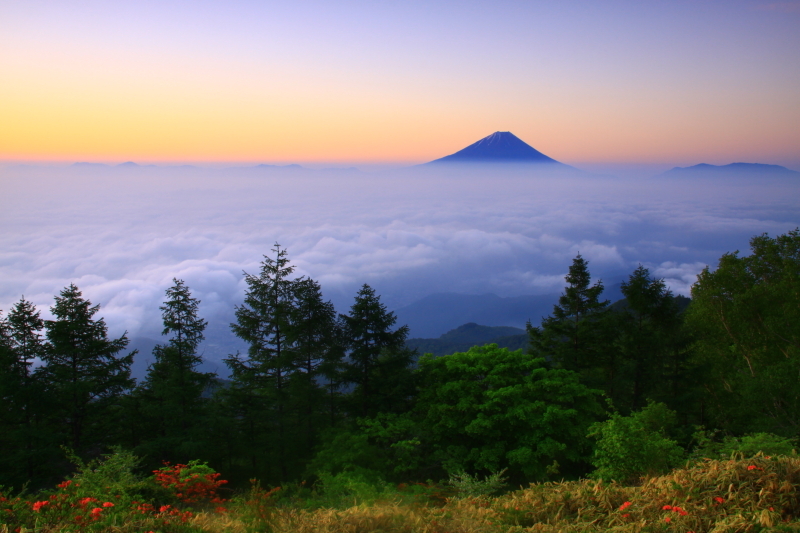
column 464, row 337
column 468, row 335
column 499, row 147
column 732, row 169
column 428, row 317
column 435, row 313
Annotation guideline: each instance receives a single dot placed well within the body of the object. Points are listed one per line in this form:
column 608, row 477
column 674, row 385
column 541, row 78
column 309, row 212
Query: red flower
column 719, row 499
column 108, row 504
column 624, row 506
column 666, row 508
column 85, row 501
column 626, row 515
column 668, row 520
column 39, row 505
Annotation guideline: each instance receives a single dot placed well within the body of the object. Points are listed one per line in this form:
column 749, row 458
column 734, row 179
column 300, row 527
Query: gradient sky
column 672, row 82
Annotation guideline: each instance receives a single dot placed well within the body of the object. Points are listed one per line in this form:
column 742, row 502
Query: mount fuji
column 499, row 147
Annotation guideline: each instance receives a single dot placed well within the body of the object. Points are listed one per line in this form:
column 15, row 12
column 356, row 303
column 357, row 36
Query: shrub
column 103, row 495
column 190, row 483
column 749, row 445
column 473, row 486
column 629, row 447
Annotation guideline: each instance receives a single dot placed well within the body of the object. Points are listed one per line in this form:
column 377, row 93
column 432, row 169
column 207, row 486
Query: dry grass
column 759, row 494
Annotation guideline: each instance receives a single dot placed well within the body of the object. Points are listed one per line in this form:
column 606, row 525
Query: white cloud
column 123, row 237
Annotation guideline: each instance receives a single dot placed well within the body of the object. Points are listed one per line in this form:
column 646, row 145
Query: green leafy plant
column 469, row 485
column 629, row 447
column 708, row 445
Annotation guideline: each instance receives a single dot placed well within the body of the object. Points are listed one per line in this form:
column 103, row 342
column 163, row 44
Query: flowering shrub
column 103, row 495
column 191, row 483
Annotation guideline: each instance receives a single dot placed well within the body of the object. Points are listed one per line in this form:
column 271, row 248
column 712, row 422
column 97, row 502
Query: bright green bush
column 629, row 447
column 491, row 408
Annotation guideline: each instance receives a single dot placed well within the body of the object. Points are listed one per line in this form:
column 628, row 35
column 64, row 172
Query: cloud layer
column 121, row 235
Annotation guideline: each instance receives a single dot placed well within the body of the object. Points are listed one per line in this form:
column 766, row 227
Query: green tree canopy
column 577, row 336
column 745, row 315
column 490, row 408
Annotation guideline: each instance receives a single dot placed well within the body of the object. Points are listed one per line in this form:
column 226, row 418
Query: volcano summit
column 499, row 147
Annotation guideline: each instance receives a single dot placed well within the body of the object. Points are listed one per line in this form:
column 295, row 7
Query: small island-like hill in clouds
column 754, row 170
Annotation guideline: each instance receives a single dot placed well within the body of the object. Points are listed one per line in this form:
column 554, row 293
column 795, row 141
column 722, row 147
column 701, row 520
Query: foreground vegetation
column 325, row 404
column 759, row 493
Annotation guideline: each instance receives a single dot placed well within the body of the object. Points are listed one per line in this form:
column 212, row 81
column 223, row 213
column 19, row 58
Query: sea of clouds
column 121, row 234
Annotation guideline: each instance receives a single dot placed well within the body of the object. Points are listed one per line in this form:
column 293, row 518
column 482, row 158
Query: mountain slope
column 442, row 312
column 499, row 147
column 465, row 337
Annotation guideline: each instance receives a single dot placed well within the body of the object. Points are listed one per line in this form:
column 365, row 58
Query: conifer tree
column 259, row 393
column 172, row 391
column 82, row 367
column 648, row 337
column 314, row 339
column 24, row 399
column 378, row 364
column 572, row 336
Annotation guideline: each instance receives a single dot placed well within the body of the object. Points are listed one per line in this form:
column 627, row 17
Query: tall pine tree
column 24, row 399
column 171, row 396
column 83, row 369
column 572, row 337
column 378, row 363
column 259, row 394
column 648, row 341
column 314, row 339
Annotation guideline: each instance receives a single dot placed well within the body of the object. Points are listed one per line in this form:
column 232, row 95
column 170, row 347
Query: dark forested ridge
column 321, row 393
column 468, row 335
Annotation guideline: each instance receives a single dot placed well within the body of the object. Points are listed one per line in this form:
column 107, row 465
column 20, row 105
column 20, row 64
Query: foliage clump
column 629, row 447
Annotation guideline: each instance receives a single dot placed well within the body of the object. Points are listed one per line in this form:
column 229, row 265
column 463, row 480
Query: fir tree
column 378, row 363
column 23, row 394
column 173, row 388
column 571, row 337
column 259, row 390
column 314, row 340
column 82, row 367
column 647, row 336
